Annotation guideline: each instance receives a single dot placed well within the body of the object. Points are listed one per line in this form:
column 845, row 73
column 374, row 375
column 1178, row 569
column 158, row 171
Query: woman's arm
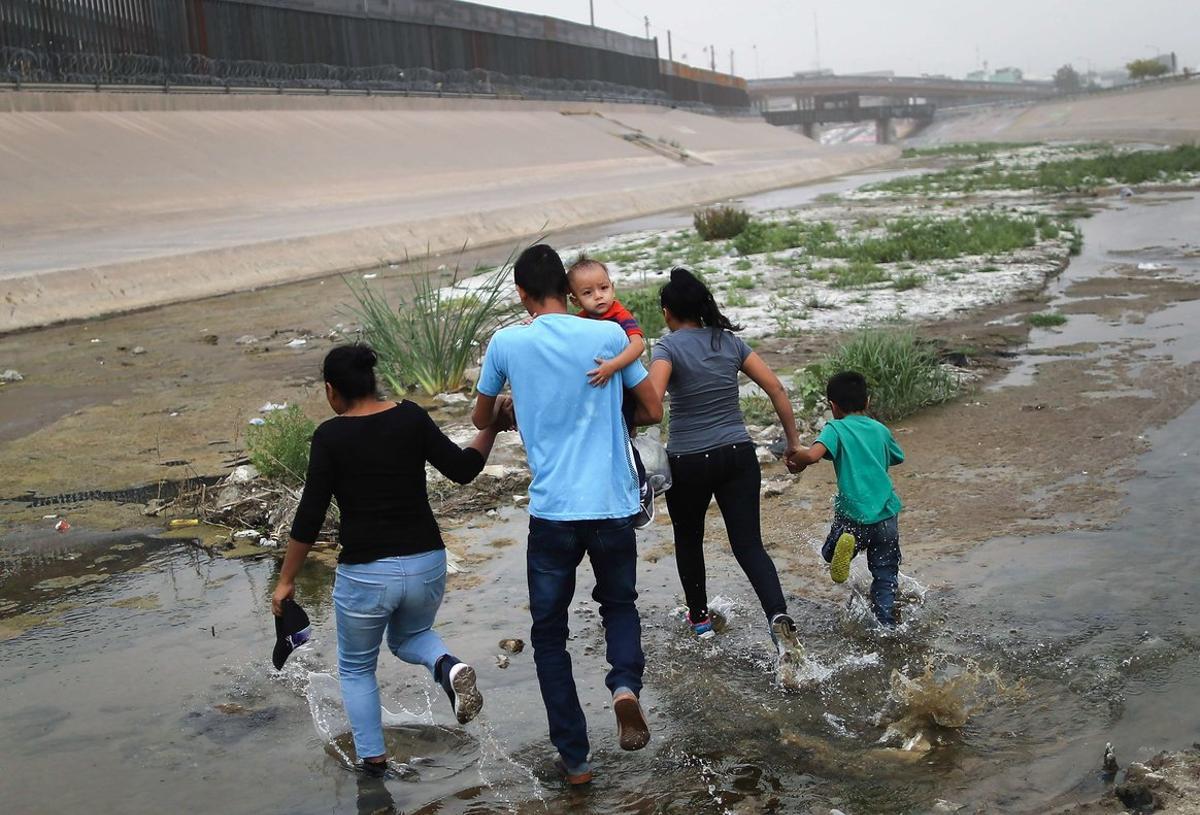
column 292, row 561
column 660, row 375
column 462, row 464
column 762, row 375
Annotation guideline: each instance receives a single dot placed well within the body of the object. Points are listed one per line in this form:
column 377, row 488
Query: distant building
column 1169, row 61
column 978, row 76
column 1008, row 75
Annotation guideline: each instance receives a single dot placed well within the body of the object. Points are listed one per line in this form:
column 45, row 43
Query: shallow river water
column 149, row 687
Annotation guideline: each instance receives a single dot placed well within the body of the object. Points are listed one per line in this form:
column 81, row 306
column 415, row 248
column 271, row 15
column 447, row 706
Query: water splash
column 942, row 697
column 508, row 772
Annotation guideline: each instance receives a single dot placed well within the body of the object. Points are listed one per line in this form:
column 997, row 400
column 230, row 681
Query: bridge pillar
column 884, row 132
column 812, row 130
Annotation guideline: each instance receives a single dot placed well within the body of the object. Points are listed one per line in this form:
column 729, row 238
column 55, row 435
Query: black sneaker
column 465, row 698
column 645, row 514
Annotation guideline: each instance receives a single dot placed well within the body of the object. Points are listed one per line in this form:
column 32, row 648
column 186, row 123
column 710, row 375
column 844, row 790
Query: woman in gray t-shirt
column 711, row 453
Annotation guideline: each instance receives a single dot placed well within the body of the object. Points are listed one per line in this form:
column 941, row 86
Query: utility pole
column 592, row 11
column 817, row 39
column 731, row 71
column 757, row 70
column 647, row 19
column 712, row 56
column 670, row 54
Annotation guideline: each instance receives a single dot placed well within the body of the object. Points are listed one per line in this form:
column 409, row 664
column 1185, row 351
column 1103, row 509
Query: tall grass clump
column 720, row 223
column 279, row 447
column 644, row 304
column 430, row 340
column 1046, row 319
column 903, row 373
column 979, row 150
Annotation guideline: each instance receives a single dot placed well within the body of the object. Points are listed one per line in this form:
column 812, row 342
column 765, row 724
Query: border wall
column 386, row 44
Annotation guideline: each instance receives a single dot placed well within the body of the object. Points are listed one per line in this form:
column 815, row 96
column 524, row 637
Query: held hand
column 794, row 466
column 505, row 417
column 283, row 591
column 599, row 376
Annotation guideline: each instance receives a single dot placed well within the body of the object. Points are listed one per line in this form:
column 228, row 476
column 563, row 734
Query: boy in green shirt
column 866, row 508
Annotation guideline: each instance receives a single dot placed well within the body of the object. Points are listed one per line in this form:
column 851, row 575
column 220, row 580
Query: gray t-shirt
column 705, row 411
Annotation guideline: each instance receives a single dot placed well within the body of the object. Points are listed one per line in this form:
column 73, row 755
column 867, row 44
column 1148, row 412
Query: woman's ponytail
column 689, row 299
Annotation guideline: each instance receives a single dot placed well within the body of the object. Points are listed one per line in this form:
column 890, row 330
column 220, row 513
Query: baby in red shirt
column 592, row 290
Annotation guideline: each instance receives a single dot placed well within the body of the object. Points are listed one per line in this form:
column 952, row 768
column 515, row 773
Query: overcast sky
column 907, row 36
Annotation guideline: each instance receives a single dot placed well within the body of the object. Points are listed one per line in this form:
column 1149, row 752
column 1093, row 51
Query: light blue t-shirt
column 575, row 438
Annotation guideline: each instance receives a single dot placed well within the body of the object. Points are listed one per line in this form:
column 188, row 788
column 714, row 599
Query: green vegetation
column 743, row 265
column 743, row 282
column 430, row 340
column 1145, row 68
column 979, row 150
column 903, row 373
column 1047, row 319
column 279, row 448
column 855, row 275
column 645, row 306
column 1064, row 175
column 720, row 223
column 907, row 282
column 1076, row 245
column 905, row 239
column 736, row 298
column 758, row 410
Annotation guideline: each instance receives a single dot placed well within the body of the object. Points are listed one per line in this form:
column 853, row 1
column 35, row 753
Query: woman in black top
column 391, row 571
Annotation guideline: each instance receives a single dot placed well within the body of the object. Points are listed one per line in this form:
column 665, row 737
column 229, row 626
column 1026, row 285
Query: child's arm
column 894, row 454
column 632, row 353
column 805, row 456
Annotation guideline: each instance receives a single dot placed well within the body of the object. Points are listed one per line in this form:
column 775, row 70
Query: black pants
column 732, row 475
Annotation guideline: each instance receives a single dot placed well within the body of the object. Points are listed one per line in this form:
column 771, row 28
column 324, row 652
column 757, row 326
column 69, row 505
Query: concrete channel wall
column 118, row 201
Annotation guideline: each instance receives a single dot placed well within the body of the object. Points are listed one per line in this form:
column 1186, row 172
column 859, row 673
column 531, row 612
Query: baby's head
column 591, row 287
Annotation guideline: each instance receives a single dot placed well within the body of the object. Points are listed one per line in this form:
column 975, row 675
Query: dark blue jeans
column 882, row 542
column 556, row 549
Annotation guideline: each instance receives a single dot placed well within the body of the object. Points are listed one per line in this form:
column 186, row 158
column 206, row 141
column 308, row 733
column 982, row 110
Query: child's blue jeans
column 882, row 542
column 401, row 595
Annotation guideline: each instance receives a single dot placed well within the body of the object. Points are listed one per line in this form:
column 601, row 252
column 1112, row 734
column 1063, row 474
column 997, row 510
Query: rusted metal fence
column 251, row 43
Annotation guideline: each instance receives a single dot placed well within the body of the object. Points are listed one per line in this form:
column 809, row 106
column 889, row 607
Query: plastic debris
column 95, row 340
column 370, row 276
column 243, row 474
column 182, row 523
column 138, row 350
column 11, row 375
column 245, row 534
column 297, row 343
column 452, row 398
column 258, row 421
column 270, row 406
column 269, row 543
column 501, row 661
column 246, row 339
column 1126, row 192
column 62, row 526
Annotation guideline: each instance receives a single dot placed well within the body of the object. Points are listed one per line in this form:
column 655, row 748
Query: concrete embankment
column 118, row 201
column 1165, row 114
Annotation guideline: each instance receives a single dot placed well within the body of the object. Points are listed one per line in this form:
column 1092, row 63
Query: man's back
column 575, row 437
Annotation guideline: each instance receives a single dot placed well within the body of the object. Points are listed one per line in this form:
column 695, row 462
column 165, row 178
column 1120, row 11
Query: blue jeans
column 401, row 595
column 882, row 542
column 556, row 549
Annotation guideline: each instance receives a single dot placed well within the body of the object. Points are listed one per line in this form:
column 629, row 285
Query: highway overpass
column 803, row 89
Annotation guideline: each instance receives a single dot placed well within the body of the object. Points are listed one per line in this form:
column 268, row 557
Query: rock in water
column 501, row 661
column 1110, row 760
column 11, row 375
column 513, row 646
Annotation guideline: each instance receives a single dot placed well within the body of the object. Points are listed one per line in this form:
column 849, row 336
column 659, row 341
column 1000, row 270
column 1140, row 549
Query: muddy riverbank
column 1068, row 461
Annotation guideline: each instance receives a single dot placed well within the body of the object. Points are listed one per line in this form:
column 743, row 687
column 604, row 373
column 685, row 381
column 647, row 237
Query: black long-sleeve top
column 375, row 466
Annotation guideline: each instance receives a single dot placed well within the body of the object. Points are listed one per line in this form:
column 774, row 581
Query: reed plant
column 720, row 223
column 279, row 447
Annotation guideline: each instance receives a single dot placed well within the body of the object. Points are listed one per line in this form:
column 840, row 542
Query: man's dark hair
column 539, row 271
column 848, row 390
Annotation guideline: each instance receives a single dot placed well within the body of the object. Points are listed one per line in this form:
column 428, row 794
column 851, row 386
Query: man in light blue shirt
column 583, row 496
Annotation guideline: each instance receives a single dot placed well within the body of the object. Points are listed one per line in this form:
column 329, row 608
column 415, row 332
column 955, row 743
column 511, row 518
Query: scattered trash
column 245, row 534
column 654, row 459
column 513, row 646
column 270, row 406
column 269, row 543
column 452, row 398
column 62, row 526
column 370, row 276
column 501, row 661
column 774, row 487
column 11, row 375
column 182, row 523
column 246, row 339
column 1126, row 192
column 49, row 517
column 243, row 474
column 138, row 350
column 1152, row 267
column 94, row 340
column 155, row 506
column 258, row 421
column 299, row 342
column 1110, row 760
column 393, row 265
column 173, row 413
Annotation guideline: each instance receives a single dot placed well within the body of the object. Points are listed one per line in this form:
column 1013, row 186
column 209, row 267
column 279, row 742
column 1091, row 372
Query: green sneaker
column 843, row 553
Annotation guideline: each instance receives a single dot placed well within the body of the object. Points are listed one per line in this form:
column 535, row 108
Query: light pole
column 757, row 70
column 592, row 11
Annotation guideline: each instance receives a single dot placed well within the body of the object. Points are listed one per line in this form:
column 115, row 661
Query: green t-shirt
column 861, row 450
